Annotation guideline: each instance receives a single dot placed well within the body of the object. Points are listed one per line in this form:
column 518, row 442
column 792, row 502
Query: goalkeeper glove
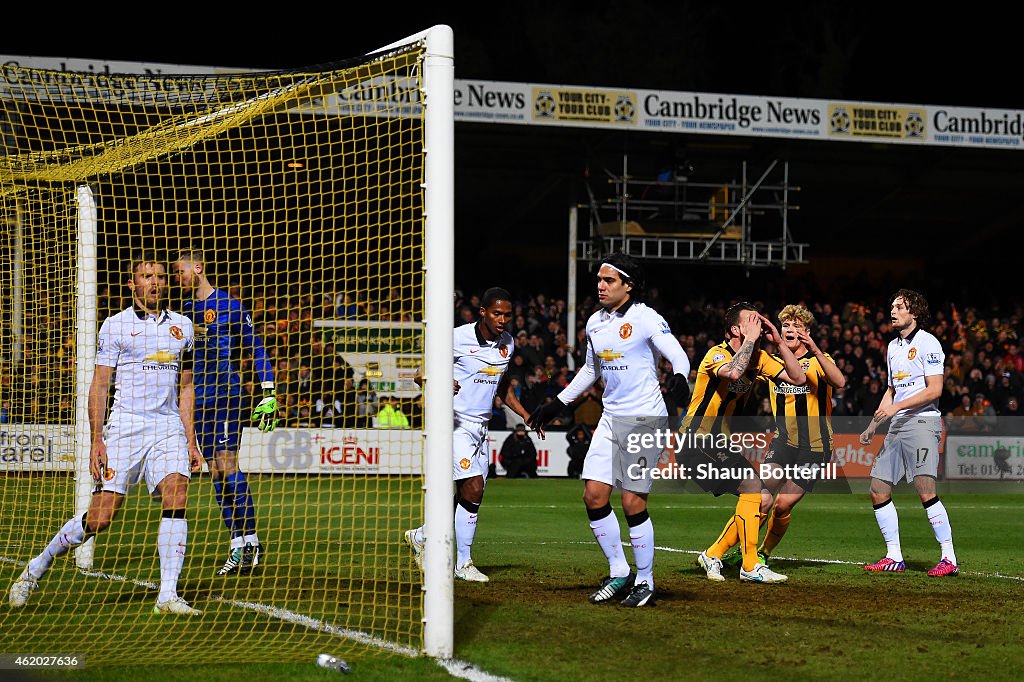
column 266, row 412
column 545, row 413
column 679, row 390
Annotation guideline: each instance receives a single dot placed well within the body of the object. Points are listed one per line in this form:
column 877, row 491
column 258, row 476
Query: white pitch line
column 468, row 671
column 676, row 550
column 455, row 667
column 844, row 563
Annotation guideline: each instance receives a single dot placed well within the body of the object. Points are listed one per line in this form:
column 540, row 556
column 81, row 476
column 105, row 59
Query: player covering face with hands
column 803, row 438
column 725, row 381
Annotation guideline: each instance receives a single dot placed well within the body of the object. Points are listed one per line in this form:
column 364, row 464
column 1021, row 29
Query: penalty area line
column 455, row 667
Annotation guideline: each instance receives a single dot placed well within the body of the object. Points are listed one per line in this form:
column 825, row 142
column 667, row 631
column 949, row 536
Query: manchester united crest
column 209, row 316
column 464, row 463
column 503, row 349
column 176, row 333
column 912, row 354
column 625, row 331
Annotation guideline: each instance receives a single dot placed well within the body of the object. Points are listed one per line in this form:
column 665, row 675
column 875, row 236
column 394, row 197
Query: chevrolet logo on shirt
column 899, row 376
column 609, row 355
column 161, row 356
column 491, row 370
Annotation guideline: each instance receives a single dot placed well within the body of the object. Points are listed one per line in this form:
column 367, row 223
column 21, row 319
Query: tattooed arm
column 750, row 329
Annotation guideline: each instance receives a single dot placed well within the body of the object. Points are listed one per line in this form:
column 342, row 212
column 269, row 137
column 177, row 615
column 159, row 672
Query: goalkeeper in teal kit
column 223, row 327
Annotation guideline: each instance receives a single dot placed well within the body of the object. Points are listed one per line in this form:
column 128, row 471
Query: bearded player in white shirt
column 625, row 342
column 482, row 352
column 149, row 435
column 911, row 448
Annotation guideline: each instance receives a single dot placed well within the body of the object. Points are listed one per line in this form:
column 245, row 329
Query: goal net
column 314, row 195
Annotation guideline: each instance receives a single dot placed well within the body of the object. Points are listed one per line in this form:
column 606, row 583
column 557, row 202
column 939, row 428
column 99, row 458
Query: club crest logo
column 625, row 331
column 176, row 333
column 912, row 354
column 209, row 316
column 464, row 463
column 503, row 349
column 108, row 474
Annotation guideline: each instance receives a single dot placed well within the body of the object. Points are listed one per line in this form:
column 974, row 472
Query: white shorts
column 137, row 448
column 615, row 458
column 469, row 450
column 910, row 449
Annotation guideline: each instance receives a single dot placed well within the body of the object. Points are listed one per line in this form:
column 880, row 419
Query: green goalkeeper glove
column 266, row 412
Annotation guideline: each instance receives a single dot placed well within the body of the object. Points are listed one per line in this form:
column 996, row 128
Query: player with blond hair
column 725, row 379
column 803, row 418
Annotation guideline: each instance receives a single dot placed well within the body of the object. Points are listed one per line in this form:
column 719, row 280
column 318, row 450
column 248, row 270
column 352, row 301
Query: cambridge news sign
column 538, row 104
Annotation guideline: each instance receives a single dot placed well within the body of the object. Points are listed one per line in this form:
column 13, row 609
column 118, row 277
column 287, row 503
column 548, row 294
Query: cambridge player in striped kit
column 911, row 449
column 803, row 418
column 223, row 326
column 625, row 342
column 725, row 380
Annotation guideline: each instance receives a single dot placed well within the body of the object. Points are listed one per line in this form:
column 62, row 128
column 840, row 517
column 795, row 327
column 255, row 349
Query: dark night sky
column 951, row 212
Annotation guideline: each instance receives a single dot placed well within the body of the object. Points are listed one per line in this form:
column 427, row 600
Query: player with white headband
column 625, row 343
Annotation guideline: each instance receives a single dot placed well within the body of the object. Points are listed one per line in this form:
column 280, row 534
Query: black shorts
column 716, row 471
column 787, row 456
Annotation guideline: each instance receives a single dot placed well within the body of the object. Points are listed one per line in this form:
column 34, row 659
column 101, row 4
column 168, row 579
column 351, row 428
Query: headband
column 621, row 272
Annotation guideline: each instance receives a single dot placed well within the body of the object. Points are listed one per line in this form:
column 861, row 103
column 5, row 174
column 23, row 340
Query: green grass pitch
column 533, row 621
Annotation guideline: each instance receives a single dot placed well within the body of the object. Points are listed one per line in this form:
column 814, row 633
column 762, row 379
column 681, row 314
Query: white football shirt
column 147, row 353
column 479, row 365
column 910, row 361
column 623, row 349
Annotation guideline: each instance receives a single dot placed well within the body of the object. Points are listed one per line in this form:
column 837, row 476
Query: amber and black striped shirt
column 716, row 399
column 803, row 413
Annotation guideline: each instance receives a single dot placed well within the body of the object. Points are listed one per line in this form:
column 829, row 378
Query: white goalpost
column 439, row 249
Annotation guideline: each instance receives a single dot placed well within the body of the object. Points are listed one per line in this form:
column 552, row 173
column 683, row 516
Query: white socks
column 939, row 519
column 889, row 523
column 465, row 531
column 171, row 542
column 642, row 538
column 608, row 535
column 70, row 535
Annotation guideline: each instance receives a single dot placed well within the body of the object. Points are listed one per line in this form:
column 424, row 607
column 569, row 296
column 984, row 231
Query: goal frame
column 437, row 99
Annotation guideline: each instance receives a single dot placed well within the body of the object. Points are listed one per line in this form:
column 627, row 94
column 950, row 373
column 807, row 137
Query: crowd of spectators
column 984, row 373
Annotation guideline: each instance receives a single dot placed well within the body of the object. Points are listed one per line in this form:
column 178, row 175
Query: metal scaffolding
column 672, row 218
